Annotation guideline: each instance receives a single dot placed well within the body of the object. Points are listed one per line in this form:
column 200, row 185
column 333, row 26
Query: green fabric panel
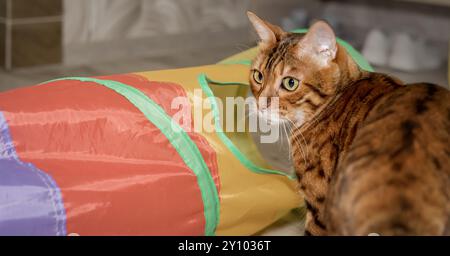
column 180, row 140
column 357, row 57
column 203, row 81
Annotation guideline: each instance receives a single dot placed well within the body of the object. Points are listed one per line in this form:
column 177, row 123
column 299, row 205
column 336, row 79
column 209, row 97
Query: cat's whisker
column 315, row 119
column 281, row 133
column 285, row 129
column 306, row 144
column 299, row 144
column 305, row 156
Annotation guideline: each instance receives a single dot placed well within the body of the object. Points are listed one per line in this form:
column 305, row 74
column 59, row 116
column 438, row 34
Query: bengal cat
column 372, row 154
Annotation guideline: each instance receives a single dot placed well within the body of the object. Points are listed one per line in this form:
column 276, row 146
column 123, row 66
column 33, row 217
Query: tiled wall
column 30, row 32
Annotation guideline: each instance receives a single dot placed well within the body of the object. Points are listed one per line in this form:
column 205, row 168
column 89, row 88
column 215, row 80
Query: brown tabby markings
column 336, row 125
column 403, row 168
column 379, row 150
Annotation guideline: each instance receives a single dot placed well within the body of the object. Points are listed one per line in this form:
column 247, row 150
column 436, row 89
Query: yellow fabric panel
column 249, row 201
column 242, row 56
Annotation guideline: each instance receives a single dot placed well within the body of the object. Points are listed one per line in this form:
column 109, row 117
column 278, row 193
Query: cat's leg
column 314, row 225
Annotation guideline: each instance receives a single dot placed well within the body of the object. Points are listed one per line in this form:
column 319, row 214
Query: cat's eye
column 258, row 76
column 290, row 83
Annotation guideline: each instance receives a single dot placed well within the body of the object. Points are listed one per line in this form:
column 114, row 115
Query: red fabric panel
column 118, row 173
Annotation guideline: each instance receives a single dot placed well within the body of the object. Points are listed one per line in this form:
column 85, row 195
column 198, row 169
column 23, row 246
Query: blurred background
column 45, row 39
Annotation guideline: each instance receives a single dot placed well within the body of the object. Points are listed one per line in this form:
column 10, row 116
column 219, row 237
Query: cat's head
column 301, row 71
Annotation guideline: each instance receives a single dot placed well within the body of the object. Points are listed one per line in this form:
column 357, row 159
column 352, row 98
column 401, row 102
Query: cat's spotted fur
column 378, row 151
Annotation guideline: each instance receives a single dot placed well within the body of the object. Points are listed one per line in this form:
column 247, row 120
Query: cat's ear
column 268, row 33
column 320, row 41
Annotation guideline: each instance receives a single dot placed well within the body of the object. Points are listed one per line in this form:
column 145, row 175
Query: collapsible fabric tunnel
column 104, row 156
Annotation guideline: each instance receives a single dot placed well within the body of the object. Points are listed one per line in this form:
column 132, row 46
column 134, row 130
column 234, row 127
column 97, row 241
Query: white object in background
column 404, row 55
column 376, row 48
column 410, row 54
column 429, row 56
